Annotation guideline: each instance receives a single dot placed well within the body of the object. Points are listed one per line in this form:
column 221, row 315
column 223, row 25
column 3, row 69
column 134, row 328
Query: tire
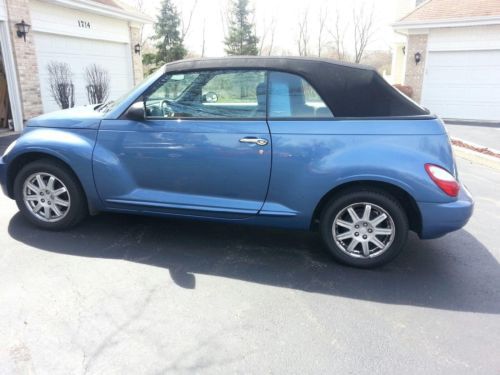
column 340, row 231
column 61, row 193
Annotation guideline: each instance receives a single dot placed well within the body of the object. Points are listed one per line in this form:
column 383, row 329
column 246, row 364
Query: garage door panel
column 461, row 111
column 464, row 58
column 460, row 76
column 463, row 84
column 73, row 45
column 462, row 94
column 79, row 53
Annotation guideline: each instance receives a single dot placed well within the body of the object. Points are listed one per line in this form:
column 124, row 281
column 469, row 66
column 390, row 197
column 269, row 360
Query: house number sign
column 84, row 24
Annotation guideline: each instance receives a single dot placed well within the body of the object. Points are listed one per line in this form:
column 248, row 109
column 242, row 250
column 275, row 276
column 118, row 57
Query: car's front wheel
column 49, row 195
column 364, row 228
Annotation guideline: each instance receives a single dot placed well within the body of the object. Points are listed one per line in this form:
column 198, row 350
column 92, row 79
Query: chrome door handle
column 257, row 141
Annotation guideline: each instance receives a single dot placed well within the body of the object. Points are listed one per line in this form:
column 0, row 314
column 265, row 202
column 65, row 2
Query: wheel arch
column 404, row 198
column 16, row 164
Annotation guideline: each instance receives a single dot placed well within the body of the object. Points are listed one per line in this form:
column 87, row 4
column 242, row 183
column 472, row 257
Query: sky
column 209, row 15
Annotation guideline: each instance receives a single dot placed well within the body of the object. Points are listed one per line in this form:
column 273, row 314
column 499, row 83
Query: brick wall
column 25, row 59
column 135, row 38
column 414, row 75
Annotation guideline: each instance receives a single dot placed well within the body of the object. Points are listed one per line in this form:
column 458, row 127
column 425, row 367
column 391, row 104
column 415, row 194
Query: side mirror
column 136, row 112
column 210, row 97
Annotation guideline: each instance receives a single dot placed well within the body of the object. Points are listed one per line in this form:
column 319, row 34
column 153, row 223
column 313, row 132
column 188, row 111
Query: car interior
column 287, row 99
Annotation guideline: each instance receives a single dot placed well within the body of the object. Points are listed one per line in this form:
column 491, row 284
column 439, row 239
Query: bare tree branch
column 337, row 32
column 224, row 16
column 269, row 30
column 185, row 26
column 61, row 84
column 97, row 87
column 203, row 39
column 363, row 30
column 140, row 7
column 303, row 36
column 323, row 16
column 273, row 33
column 263, row 38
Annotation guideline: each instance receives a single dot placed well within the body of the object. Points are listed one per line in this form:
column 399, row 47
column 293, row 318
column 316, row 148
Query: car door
column 203, row 148
column 305, row 138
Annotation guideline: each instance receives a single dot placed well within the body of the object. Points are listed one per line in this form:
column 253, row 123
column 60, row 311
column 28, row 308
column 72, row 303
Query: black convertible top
column 349, row 90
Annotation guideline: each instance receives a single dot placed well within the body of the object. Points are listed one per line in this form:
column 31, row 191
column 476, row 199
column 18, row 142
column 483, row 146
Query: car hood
column 84, row 117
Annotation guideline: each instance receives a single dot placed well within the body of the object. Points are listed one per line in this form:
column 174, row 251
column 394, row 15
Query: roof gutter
column 456, row 22
column 102, row 9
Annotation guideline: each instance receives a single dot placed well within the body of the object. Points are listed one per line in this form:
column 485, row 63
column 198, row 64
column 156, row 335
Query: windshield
column 111, row 104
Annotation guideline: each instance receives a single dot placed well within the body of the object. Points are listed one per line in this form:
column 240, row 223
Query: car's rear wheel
column 49, row 195
column 364, row 228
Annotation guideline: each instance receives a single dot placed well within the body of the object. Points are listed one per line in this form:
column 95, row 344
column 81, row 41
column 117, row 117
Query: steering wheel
column 167, row 109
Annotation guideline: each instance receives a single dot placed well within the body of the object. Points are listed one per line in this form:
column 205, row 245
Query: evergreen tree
column 168, row 36
column 241, row 39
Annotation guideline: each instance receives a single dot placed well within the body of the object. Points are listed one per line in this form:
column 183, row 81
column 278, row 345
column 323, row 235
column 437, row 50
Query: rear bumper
column 441, row 218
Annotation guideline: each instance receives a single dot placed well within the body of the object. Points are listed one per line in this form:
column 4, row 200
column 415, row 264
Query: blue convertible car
column 289, row 142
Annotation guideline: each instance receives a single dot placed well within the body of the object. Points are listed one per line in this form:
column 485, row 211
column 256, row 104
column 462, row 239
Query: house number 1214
column 84, row 24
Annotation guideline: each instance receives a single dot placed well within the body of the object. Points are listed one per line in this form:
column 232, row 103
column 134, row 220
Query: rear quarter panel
column 310, row 158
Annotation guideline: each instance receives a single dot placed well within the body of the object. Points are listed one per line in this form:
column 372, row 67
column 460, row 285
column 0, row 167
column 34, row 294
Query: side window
column 290, row 96
column 209, row 94
column 173, row 86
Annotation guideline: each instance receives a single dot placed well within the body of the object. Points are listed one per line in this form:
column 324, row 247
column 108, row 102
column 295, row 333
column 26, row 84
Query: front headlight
column 9, row 148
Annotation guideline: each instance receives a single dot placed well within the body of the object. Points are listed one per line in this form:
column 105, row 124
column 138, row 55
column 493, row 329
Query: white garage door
column 463, row 84
column 80, row 53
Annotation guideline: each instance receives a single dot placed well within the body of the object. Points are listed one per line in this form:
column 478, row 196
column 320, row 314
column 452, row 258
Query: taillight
column 443, row 179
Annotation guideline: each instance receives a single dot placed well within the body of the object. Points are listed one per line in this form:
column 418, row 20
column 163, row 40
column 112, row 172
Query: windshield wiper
column 105, row 107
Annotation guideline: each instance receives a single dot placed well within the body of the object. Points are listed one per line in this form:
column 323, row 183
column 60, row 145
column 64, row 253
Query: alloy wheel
column 46, row 197
column 363, row 230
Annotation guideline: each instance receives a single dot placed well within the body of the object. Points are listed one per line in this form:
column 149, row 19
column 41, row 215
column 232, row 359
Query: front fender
column 74, row 147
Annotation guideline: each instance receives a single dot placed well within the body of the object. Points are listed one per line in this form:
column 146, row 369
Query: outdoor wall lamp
column 22, row 29
column 418, row 57
column 137, row 49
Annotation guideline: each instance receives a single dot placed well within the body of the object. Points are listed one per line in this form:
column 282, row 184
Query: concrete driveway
column 127, row 294
column 486, row 135
column 6, row 139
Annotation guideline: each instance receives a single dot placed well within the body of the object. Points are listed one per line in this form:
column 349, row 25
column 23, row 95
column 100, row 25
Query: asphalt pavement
column 127, row 294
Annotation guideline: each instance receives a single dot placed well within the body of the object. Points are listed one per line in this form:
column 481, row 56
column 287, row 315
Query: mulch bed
column 482, row 150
